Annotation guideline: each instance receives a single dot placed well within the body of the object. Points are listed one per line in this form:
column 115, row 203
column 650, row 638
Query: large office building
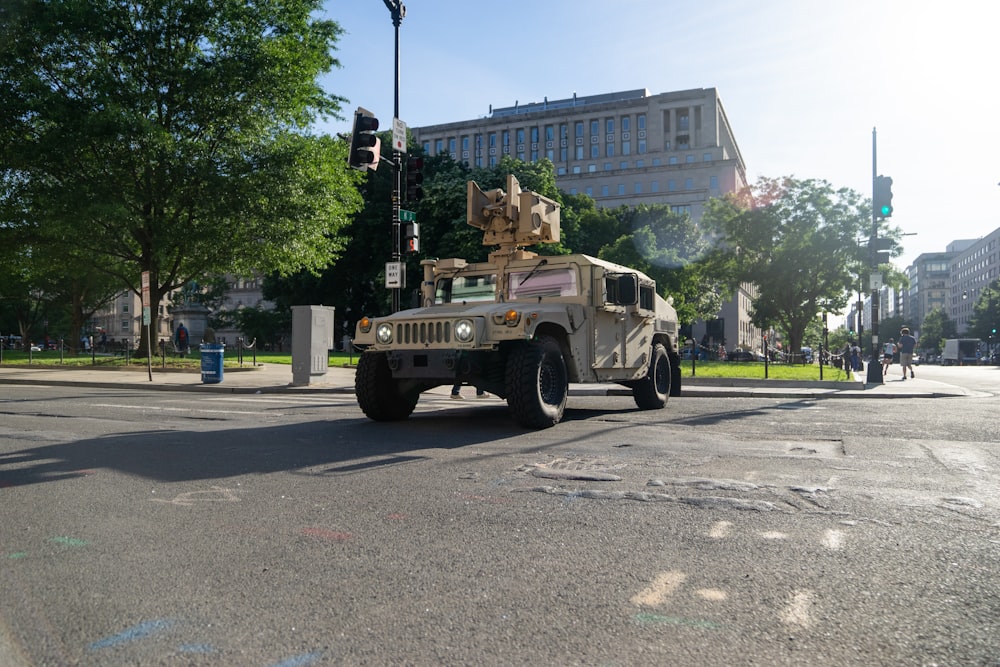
column 624, row 148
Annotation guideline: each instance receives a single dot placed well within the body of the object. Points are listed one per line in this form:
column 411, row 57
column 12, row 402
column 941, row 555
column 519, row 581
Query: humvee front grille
column 428, row 332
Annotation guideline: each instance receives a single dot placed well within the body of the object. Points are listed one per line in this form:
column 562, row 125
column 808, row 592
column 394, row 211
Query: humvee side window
column 533, row 285
column 465, row 289
column 646, row 297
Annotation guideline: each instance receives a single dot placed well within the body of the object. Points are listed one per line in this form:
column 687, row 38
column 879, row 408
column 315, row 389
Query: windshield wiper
column 533, row 271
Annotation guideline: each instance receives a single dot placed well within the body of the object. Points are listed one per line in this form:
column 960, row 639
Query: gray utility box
column 312, row 340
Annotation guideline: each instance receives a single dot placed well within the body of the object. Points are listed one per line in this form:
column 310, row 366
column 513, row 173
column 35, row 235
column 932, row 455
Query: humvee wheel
column 537, row 383
column 651, row 392
column 378, row 393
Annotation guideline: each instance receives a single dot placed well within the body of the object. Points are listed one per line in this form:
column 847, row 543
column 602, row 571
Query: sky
column 803, row 83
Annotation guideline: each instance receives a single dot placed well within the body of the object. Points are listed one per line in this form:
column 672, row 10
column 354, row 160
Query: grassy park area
column 705, row 369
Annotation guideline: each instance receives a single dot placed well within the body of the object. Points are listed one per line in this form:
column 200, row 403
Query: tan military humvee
column 520, row 325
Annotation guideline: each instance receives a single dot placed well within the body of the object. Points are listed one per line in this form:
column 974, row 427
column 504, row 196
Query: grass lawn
column 705, row 369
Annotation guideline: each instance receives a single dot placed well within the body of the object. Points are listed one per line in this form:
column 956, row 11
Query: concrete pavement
column 277, row 378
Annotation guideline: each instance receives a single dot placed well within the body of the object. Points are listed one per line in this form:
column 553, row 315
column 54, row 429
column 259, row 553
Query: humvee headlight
column 365, row 325
column 384, row 333
column 465, row 331
column 512, row 317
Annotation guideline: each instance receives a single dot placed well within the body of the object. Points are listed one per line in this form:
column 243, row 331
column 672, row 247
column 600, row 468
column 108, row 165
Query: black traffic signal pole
column 874, row 364
column 398, row 11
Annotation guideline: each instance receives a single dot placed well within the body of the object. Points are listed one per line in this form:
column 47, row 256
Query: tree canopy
column 986, row 313
column 797, row 242
column 172, row 137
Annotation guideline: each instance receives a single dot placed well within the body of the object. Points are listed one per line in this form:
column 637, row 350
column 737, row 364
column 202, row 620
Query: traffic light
column 365, row 146
column 882, row 197
column 879, row 248
column 414, row 178
column 411, row 237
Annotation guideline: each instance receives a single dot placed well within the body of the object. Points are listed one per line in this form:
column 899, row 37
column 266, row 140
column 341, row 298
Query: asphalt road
column 167, row 528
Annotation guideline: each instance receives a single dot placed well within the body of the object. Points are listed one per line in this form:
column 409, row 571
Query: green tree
column 986, row 314
column 796, row 241
column 669, row 248
column 172, row 137
column 936, row 327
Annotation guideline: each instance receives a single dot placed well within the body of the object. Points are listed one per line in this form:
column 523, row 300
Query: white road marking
column 160, row 408
column 799, row 610
column 662, row 587
column 720, row 530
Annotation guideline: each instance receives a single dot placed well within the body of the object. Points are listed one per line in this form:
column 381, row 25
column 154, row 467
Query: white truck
column 960, row 351
column 520, row 325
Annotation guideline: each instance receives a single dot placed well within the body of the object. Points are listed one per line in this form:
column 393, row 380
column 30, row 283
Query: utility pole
column 398, row 11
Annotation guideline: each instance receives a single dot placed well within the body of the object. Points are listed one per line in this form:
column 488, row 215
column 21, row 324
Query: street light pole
column 874, row 367
column 397, row 11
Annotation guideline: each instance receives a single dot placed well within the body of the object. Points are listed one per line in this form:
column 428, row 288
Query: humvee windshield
column 523, row 285
column 465, row 289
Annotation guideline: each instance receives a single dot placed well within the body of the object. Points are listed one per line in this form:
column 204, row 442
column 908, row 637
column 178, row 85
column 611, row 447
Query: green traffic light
column 886, row 211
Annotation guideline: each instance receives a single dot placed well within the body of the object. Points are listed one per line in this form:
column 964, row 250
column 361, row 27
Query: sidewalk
column 277, row 378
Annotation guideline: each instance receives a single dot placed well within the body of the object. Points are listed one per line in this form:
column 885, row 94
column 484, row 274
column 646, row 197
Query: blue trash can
column 212, row 355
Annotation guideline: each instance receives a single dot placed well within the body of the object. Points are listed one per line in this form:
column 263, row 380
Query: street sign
column 398, row 135
column 145, row 289
column 875, row 281
column 147, row 316
column 407, row 216
column 393, row 275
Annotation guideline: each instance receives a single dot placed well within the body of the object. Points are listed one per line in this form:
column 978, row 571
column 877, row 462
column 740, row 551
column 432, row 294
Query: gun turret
column 512, row 219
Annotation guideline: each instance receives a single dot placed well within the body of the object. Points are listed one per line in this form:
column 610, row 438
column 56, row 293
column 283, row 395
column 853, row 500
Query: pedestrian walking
column 181, row 339
column 456, row 392
column 888, row 351
column 907, row 344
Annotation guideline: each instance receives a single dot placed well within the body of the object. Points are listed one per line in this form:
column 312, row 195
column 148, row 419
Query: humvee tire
column 378, row 393
column 651, row 392
column 537, row 383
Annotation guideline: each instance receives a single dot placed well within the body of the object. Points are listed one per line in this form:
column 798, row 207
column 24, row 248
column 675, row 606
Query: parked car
column 741, row 355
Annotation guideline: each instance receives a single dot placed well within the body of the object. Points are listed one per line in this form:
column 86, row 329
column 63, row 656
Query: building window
column 689, row 159
column 607, row 166
column 689, row 184
column 610, row 150
column 550, row 153
column 626, row 148
column 638, row 188
column 561, row 171
column 595, row 150
column 713, row 182
column 667, row 145
column 595, row 128
column 493, row 140
column 591, row 168
column 641, row 146
column 576, row 169
column 604, row 191
column 654, row 186
column 610, row 125
column 639, row 164
column 683, row 123
column 656, row 162
column 465, row 143
column 563, row 154
column 590, row 192
column 623, row 165
column 579, row 152
column 534, row 135
column 506, row 138
column 672, row 159
column 451, row 146
column 439, row 147
column 640, row 121
column 125, row 326
column 671, row 185
column 707, row 157
column 550, row 133
column 578, row 128
column 427, row 147
column 621, row 188
column 626, row 123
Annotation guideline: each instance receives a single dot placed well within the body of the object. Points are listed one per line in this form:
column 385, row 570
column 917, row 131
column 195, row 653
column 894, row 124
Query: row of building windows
column 654, row 187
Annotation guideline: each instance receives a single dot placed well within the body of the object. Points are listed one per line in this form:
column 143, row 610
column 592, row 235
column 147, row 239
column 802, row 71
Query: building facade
column 624, row 148
column 973, row 269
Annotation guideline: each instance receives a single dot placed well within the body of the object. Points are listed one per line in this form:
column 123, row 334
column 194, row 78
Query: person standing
column 181, row 339
column 907, row 344
column 456, row 392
